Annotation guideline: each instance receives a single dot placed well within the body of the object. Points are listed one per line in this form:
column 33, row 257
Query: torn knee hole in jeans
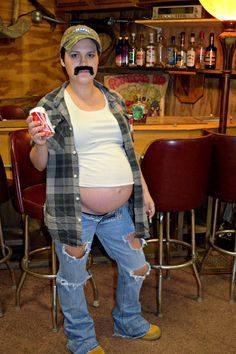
column 76, row 285
column 135, row 243
column 76, row 252
column 142, row 272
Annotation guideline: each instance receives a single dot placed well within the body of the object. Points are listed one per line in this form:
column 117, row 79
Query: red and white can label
column 39, row 114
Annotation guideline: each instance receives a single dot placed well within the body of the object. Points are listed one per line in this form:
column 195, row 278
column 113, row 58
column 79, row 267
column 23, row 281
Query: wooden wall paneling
column 188, row 88
column 30, row 65
column 95, row 4
column 6, row 11
column 206, row 105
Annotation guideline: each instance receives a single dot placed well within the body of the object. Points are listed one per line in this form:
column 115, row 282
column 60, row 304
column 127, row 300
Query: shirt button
column 70, row 128
column 77, row 198
column 74, row 152
column 79, row 219
column 75, row 176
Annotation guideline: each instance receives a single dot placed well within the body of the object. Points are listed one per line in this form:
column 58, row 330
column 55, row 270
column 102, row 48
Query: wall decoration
column 151, row 88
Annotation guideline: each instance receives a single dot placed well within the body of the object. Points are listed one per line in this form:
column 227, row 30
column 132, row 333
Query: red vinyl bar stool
column 5, row 251
column 30, row 190
column 30, row 186
column 222, row 188
column 176, row 173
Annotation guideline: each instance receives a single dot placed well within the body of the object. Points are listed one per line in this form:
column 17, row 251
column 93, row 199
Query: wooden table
column 174, row 127
column 7, row 126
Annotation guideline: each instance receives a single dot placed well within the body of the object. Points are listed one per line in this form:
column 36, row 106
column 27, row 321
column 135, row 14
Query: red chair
column 12, row 112
column 30, row 185
column 176, row 173
column 30, row 189
column 222, row 188
column 6, row 251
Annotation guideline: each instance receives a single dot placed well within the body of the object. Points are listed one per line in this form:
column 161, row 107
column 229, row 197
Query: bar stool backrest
column 176, row 172
column 12, row 112
column 223, row 170
column 25, row 175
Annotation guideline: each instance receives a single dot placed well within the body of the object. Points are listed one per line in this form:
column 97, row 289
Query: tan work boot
column 97, row 350
column 153, row 333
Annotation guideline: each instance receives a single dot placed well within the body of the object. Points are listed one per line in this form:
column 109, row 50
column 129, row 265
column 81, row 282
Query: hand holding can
column 40, row 115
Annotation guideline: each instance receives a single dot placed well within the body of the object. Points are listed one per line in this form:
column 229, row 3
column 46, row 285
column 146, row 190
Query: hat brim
column 72, row 42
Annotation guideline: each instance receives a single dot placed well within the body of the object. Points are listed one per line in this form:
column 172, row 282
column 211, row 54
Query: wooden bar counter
column 175, row 127
column 144, row 134
column 7, row 126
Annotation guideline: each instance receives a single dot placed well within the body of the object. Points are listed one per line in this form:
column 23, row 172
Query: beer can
column 40, row 114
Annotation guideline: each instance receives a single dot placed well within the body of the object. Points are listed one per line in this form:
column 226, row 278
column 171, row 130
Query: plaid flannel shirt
column 62, row 210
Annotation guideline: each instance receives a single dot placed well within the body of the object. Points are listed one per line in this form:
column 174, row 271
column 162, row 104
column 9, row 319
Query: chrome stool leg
column 232, row 284
column 160, row 278
column 54, row 289
column 92, row 281
column 193, row 256
column 211, row 239
column 166, row 264
column 168, row 244
column 25, row 265
column 213, row 245
column 6, row 254
column 24, row 262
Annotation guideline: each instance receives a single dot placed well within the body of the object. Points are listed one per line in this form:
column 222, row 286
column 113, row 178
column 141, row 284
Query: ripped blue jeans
column 113, row 230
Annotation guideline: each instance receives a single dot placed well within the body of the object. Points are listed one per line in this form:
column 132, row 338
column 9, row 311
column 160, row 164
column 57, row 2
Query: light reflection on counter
column 171, row 120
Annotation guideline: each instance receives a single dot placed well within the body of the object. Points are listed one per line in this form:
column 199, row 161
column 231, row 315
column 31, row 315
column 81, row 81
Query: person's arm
column 148, row 201
column 39, row 151
column 39, row 156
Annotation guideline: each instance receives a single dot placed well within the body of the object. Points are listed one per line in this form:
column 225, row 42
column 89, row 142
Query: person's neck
column 87, row 97
column 83, row 92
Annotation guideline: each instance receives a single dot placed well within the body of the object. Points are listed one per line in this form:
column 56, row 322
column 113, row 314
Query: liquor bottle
column 140, row 55
column 119, row 50
column 210, row 54
column 132, row 51
column 181, row 52
column 191, row 52
column 200, row 52
column 171, row 53
column 160, row 52
column 125, row 52
column 151, row 52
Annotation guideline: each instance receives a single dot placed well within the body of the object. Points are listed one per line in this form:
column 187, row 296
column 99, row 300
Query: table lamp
column 226, row 12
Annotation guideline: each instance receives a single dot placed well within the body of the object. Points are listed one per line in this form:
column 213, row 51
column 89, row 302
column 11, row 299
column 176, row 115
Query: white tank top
column 99, row 144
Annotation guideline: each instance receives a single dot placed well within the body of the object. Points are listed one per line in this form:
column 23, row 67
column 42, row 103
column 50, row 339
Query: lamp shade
column 223, row 10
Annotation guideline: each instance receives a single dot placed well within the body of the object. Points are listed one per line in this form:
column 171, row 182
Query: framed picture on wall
column 151, row 88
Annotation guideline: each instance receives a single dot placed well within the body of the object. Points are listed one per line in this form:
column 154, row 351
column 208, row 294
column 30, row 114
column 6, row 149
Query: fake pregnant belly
column 101, row 200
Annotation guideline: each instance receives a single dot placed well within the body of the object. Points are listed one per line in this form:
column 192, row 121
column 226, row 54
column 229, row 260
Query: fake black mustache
column 84, row 67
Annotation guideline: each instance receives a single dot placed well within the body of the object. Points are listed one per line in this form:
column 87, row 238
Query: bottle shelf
column 181, row 22
column 174, row 71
